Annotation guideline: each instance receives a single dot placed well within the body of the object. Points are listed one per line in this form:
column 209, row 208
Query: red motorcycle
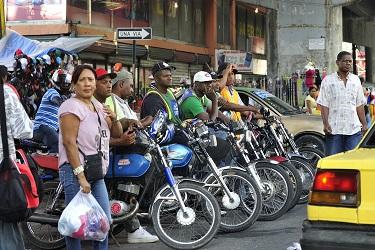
column 39, row 230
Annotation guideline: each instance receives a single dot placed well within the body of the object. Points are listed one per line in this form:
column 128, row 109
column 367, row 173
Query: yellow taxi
column 341, row 208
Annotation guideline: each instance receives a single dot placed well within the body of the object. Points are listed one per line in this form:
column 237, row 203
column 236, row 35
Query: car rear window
column 369, row 140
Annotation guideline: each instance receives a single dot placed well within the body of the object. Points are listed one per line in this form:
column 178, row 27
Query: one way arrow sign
column 144, row 33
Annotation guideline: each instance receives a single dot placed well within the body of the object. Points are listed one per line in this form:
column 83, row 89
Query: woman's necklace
column 90, row 105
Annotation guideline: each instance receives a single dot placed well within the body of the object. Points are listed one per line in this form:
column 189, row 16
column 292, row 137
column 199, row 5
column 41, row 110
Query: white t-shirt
column 128, row 112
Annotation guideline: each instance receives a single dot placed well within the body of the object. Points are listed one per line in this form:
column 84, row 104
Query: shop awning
column 32, row 48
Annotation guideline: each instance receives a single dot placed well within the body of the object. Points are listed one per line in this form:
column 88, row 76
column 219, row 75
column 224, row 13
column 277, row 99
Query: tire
column 279, row 188
column 33, row 233
column 296, row 180
column 307, row 174
column 312, row 155
column 311, row 141
column 250, row 198
column 172, row 233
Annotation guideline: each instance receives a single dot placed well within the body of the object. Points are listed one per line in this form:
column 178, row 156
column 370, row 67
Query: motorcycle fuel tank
column 179, row 155
column 127, row 165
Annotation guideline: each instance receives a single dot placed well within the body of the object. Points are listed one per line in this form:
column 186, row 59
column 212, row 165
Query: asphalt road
column 263, row 235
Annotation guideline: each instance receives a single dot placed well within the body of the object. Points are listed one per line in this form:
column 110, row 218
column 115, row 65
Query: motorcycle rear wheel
column 192, row 231
column 45, row 236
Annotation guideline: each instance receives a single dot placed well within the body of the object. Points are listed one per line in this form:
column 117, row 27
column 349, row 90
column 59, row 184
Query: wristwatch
column 78, row 170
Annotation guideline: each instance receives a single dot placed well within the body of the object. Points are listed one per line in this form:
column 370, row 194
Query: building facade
column 276, row 37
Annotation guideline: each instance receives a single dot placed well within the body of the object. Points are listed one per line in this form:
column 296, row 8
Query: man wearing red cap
column 103, row 94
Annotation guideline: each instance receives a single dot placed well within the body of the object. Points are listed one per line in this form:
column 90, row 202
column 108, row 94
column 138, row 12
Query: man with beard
column 341, row 100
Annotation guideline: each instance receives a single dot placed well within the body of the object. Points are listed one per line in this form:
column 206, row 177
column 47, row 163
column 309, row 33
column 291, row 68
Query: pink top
column 88, row 133
column 310, row 74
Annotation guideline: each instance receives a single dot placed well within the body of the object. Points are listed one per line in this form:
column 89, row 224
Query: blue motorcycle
column 184, row 214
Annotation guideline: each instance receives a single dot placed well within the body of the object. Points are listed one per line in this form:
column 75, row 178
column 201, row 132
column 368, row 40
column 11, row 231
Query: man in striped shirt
column 46, row 122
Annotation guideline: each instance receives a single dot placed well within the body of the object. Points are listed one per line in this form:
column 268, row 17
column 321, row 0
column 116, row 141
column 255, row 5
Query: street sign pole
column 2, row 18
column 134, row 48
column 134, row 34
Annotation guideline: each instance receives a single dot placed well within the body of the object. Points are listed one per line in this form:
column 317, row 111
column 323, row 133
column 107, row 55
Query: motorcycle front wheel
column 189, row 229
column 278, row 191
column 312, row 155
column 241, row 210
column 307, row 174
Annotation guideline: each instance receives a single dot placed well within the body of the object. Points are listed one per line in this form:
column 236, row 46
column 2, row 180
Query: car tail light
column 336, row 188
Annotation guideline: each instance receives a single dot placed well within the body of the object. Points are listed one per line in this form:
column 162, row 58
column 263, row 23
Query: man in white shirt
column 342, row 107
column 122, row 88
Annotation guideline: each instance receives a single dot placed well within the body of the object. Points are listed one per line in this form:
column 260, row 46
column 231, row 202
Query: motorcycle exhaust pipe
column 54, row 220
column 127, row 216
column 44, row 219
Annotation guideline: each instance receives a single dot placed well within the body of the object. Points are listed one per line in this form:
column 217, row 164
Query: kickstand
column 113, row 237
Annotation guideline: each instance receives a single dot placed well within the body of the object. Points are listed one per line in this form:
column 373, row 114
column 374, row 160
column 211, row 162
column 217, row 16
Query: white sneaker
column 141, row 236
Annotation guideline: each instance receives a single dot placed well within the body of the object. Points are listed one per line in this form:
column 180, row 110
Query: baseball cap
column 222, row 67
column 202, row 76
column 160, row 66
column 122, row 75
column 101, row 73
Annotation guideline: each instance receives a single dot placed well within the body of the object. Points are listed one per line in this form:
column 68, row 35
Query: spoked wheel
column 296, row 179
column 312, row 155
column 45, row 236
column 278, row 190
column 307, row 173
column 242, row 209
column 189, row 229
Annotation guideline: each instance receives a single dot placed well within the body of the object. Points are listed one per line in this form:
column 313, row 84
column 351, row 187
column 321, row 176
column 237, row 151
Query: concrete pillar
column 334, row 37
column 271, row 44
column 211, row 29
column 233, row 25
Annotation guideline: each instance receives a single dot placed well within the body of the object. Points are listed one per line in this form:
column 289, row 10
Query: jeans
column 48, row 136
column 98, row 190
column 10, row 236
column 340, row 143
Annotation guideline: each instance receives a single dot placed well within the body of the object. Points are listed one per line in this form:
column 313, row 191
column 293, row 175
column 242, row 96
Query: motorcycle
column 273, row 181
column 272, row 141
column 236, row 191
column 176, row 203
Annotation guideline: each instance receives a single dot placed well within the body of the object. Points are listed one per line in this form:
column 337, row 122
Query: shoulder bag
column 93, row 163
column 13, row 205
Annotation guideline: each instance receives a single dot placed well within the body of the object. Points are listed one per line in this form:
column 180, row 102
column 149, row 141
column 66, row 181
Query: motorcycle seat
column 32, row 144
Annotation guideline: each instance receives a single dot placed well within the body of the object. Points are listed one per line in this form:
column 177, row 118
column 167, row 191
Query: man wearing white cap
column 195, row 102
column 202, row 102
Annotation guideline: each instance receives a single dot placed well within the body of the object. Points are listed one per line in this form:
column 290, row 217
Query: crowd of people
column 86, row 113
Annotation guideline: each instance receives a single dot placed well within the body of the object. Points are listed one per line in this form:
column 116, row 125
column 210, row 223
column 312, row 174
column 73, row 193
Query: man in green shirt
column 201, row 101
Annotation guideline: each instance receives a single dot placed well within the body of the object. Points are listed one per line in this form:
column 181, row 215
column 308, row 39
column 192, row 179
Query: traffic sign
column 144, row 33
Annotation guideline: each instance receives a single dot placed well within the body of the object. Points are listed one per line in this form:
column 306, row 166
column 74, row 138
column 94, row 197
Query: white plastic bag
column 84, row 219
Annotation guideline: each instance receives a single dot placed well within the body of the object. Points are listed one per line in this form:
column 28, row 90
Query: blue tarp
column 33, row 48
